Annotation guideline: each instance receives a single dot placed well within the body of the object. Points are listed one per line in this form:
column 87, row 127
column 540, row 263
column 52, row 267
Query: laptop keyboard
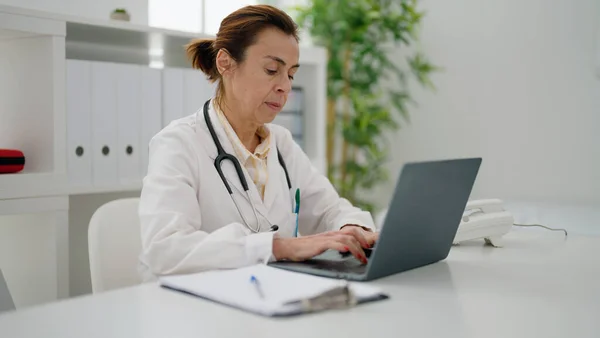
column 346, row 265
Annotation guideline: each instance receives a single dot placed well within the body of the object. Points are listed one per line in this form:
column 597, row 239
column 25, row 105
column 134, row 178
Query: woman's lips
column 274, row 105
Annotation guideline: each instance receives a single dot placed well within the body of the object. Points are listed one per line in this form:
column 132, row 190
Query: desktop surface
column 537, row 285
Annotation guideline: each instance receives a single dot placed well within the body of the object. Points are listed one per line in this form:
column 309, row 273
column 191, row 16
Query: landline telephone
column 485, row 219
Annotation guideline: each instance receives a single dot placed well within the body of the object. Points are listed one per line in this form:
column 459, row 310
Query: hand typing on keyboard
column 366, row 250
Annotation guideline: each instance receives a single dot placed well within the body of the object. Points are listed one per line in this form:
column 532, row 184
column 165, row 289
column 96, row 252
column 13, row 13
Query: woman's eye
column 291, row 77
column 271, row 72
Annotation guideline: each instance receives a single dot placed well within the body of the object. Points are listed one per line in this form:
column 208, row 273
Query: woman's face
column 259, row 86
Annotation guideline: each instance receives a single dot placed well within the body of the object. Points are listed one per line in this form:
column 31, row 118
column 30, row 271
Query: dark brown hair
column 237, row 32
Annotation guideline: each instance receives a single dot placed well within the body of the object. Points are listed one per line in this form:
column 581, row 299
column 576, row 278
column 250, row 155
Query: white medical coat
column 189, row 222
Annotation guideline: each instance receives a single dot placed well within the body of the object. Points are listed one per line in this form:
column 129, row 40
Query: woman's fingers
column 342, row 241
column 336, row 245
column 346, row 243
column 353, row 246
column 372, row 237
column 358, row 233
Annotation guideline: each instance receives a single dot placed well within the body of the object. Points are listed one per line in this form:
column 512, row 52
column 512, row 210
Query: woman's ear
column 224, row 62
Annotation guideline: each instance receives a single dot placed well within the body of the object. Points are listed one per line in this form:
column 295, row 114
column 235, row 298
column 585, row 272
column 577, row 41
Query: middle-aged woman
column 194, row 209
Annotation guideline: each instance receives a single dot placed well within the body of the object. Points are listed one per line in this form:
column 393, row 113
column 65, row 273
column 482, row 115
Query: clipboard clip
column 337, row 298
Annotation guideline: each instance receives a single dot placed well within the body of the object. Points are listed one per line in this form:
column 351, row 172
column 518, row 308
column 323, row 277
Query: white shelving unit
column 35, row 49
column 32, row 53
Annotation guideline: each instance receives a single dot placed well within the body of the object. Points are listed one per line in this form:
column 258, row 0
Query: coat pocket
column 288, row 227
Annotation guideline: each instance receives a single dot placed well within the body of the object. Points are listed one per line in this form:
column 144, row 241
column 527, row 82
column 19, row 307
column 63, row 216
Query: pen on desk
column 254, row 281
column 297, row 211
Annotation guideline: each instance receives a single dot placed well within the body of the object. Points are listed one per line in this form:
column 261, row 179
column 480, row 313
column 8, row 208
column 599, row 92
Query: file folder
column 151, row 119
column 79, row 124
column 105, row 169
column 129, row 117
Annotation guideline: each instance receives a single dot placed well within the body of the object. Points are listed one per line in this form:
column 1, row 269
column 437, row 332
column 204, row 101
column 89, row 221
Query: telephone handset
column 485, row 219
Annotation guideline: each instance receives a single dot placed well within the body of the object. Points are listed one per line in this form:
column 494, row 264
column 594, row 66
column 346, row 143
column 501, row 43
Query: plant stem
column 330, row 136
column 346, row 96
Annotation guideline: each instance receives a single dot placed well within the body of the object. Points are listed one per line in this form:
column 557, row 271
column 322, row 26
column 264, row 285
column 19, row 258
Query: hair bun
column 202, row 54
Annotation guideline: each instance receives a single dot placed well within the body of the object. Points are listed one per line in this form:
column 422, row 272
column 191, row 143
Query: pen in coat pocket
column 297, row 211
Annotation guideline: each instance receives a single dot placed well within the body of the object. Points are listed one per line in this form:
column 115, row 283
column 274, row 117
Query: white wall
column 97, row 9
column 519, row 89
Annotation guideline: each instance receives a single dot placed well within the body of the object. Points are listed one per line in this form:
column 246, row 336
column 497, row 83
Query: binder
column 197, row 89
column 128, row 122
column 292, row 116
column 104, row 124
column 184, row 92
column 78, row 107
column 151, row 112
column 270, row 291
column 290, row 121
column 172, row 94
column 295, row 102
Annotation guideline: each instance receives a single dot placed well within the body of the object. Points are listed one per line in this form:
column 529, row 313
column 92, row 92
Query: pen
column 254, row 281
column 297, row 211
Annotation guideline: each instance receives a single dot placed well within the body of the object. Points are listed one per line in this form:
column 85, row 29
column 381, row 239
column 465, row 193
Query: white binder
column 172, row 94
column 197, row 89
column 295, row 102
column 79, row 139
column 104, row 124
column 151, row 117
column 292, row 122
column 129, row 83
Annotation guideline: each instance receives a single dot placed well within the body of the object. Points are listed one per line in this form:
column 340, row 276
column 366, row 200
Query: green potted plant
column 361, row 107
column 120, row 14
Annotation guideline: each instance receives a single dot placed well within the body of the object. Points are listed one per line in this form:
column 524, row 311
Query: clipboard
column 279, row 292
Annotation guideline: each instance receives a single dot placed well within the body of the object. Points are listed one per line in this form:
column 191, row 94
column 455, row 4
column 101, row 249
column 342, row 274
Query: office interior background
column 519, row 86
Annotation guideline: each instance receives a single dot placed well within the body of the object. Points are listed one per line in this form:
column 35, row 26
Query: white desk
column 538, row 285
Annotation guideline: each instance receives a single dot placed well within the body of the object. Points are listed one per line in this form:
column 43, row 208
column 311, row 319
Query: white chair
column 114, row 245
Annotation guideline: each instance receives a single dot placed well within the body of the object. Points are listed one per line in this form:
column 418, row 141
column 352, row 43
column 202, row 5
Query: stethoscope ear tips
column 274, row 228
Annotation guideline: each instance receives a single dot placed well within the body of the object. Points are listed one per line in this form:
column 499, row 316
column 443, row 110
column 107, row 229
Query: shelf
column 31, row 186
column 108, row 40
column 15, row 24
column 104, row 189
column 128, row 36
column 152, row 40
column 23, row 185
column 38, row 127
column 32, row 113
column 34, row 205
column 109, row 24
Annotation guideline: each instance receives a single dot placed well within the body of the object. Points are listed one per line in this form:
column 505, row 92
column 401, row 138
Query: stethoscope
column 222, row 156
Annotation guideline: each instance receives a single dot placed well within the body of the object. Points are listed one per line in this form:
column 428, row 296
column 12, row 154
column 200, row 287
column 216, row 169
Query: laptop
column 421, row 222
column 6, row 301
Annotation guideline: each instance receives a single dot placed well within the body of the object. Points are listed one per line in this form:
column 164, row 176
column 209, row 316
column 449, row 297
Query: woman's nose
column 285, row 85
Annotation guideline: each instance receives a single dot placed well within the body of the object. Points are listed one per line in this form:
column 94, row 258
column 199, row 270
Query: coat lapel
column 276, row 183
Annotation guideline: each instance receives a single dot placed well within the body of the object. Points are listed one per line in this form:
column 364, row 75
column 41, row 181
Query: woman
column 190, row 221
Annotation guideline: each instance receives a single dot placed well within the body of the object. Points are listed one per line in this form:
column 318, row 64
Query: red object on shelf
column 11, row 161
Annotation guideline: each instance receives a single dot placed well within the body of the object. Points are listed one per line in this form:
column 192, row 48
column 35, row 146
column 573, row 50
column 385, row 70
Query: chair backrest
column 114, row 245
column 6, row 301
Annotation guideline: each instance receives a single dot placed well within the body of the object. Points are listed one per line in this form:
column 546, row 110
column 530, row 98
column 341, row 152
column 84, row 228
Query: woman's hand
column 366, row 238
column 345, row 240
